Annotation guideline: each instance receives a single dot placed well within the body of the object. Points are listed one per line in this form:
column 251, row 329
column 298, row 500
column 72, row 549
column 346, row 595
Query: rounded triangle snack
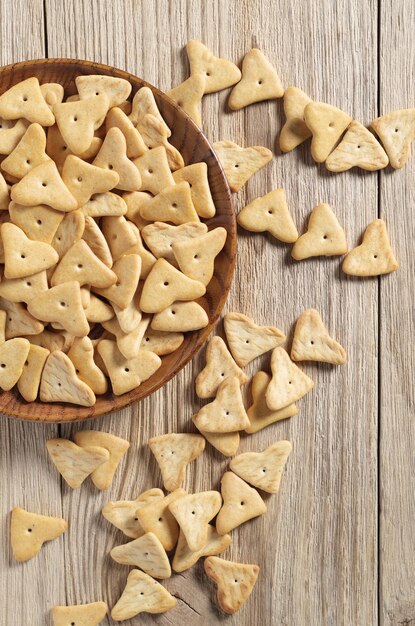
column 327, row 124
column 240, row 503
column 324, row 236
column 269, row 213
column 188, row 95
column 103, row 475
column 235, row 582
column 219, row 366
column 29, row 152
column 184, row 557
column 263, row 469
column 145, row 552
column 74, row 463
column 259, row 414
column 122, row 514
column 259, row 81
column 295, row 131
column 60, row 383
column 238, row 163
column 226, row 413
column 81, row 614
column 173, row 453
column 312, row 341
column 396, row 130
column 196, row 174
column 288, row 383
column 25, row 100
column 358, row 148
column 247, row 340
column 374, row 256
column 219, row 73
column 29, row 531
column 142, row 594
column 196, row 257
column 193, row 512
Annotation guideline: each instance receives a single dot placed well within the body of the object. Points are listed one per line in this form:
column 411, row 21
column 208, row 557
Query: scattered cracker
column 358, row 148
column 374, row 256
column 188, row 95
column 219, row 73
column 327, row 124
column 147, row 553
column 193, row 512
column 295, row 131
column 219, row 366
column 260, row 81
column 173, row 453
column 122, row 514
column 396, row 130
column 102, row 477
column 312, row 341
column 269, row 213
column 324, row 236
column 288, row 383
column 238, row 163
column 79, row 615
column 142, row 594
column 74, row 463
column 157, row 518
column 184, row 557
column 240, row 503
column 29, row 531
column 263, row 469
column 226, row 413
column 235, row 582
column 247, row 340
column 259, row 414
column 226, row 443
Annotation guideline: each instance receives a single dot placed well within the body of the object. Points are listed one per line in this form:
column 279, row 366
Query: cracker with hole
column 29, row 380
column 226, row 443
column 79, row 615
column 288, row 383
column 179, row 317
column 247, row 340
column 128, row 343
column 196, row 257
column 147, row 553
column 44, row 185
column 123, row 372
column 160, row 237
column 102, row 204
column 115, row 89
column 295, row 131
column 154, row 134
column 219, row 366
column 122, row 514
column 29, row 152
column 173, row 204
column 127, row 270
column 11, row 133
column 23, row 289
column 29, row 531
column 59, row 382
column 25, row 100
column 62, row 304
column 238, row 163
column 103, row 475
column 235, row 582
column 396, row 131
column 19, row 322
column 39, row 223
column 269, row 213
column 156, row 517
column 188, row 95
column 23, row 256
column 77, row 121
column 312, row 341
column 135, row 145
column 260, row 81
column 68, row 232
column 160, row 342
column 184, row 558
column 226, row 413
column 193, row 512
column 259, row 414
column 112, row 156
column 219, row 73
column 142, row 594
column 196, row 174
column 84, row 180
column 144, row 103
column 324, row 236
column 80, row 264
column 154, row 170
column 358, row 148
column 74, row 463
column 81, row 353
column 173, row 452
column 241, row 503
column 13, row 355
column 263, row 469
column 165, row 284
column 374, row 256
column 134, row 200
column 327, row 124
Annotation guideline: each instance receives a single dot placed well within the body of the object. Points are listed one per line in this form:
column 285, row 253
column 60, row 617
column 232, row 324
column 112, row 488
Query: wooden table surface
column 336, row 547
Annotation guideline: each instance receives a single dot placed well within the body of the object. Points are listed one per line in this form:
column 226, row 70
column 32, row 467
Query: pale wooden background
column 337, row 545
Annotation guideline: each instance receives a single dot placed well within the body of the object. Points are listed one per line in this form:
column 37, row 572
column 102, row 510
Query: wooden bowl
column 194, row 147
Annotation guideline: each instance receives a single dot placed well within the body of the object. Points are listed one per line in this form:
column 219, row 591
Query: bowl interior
column 194, row 147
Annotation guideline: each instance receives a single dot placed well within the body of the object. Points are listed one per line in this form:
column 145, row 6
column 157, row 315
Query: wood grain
column 318, row 544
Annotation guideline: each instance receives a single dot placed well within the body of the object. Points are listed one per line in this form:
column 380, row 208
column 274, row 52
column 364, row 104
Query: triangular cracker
column 288, row 383
column 159, row 237
column 219, row 366
column 134, row 142
column 43, row 185
column 102, row 204
column 260, row 415
column 124, row 373
column 358, row 148
column 188, row 95
column 37, row 222
column 196, row 174
column 130, row 317
column 165, row 284
column 95, row 239
column 374, row 256
column 396, row 130
column 219, row 73
column 179, row 317
column 312, row 341
column 143, row 103
column 134, row 200
column 196, row 257
column 29, row 531
column 81, row 354
column 18, row 320
column 79, row 615
column 235, row 582
column 29, row 152
column 193, row 512
column 116, row 89
column 260, row 81
column 98, row 311
column 62, row 304
column 324, row 236
column 147, row 259
column 128, row 343
column 127, row 269
column 173, row 453
column 226, row 443
column 23, row 256
column 102, row 476
column 240, row 503
column 156, row 518
column 247, row 340
column 173, row 204
column 13, row 355
column 184, row 557
column 226, row 413
column 78, row 120
column 118, row 234
column 154, row 170
column 84, row 180
column 269, row 213
column 74, row 463
column 81, row 264
column 25, row 100
column 147, row 553
column 295, row 130
column 161, row 343
column 122, row 514
column 154, row 134
column 142, row 594
column 238, row 163
column 69, row 230
column 59, row 382
column 57, row 149
column 29, row 381
column 327, row 124
column 11, row 133
column 113, row 156
column 23, row 289
column 263, row 469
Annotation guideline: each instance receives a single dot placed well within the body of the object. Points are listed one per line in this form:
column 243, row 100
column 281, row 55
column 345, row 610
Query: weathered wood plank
column 397, row 329
column 27, row 590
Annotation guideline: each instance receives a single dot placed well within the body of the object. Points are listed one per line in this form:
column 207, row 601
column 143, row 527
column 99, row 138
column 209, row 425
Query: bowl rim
column 11, row 404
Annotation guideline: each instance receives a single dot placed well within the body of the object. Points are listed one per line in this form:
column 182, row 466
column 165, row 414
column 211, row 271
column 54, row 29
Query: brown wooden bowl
column 194, row 147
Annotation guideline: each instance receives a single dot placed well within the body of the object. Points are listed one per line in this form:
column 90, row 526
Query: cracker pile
column 104, row 251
